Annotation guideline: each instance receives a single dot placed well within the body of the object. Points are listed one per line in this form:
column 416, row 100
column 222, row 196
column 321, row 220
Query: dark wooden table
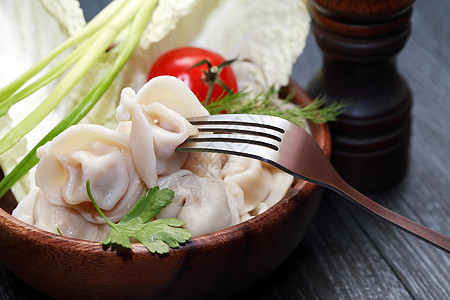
column 347, row 253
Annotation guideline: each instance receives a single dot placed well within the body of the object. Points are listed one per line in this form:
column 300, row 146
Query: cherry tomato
column 179, row 63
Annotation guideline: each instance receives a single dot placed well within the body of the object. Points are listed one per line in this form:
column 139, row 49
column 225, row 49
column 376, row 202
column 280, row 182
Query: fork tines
column 238, row 134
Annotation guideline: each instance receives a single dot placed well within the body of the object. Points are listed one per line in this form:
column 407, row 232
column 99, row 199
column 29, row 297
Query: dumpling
column 156, row 129
column 203, row 203
column 155, row 133
column 173, row 93
column 169, row 130
column 260, row 184
column 37, row 211
column 134, row 123
column 251, row 177
column 93, row 152
column 206, row 164
column 281, row 182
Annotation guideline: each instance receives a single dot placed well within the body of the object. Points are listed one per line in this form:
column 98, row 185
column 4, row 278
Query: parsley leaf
column 157, row 235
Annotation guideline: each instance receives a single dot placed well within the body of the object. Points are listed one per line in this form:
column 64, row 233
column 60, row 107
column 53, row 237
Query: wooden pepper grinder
column 360, row 40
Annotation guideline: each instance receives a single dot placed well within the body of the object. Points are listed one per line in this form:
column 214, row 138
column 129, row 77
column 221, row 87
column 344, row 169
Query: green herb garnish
column 158, row 235
column 267, row 103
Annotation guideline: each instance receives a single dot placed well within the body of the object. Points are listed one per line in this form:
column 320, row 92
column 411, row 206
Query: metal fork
column 290, row 148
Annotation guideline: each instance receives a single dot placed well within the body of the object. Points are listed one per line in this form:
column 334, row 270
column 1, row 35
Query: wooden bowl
column 215, row 265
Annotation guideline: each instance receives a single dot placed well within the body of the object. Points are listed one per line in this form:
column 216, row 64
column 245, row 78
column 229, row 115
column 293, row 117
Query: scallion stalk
column 96, row 23
column 95, row 50
column 134, row 35
column 54, row 73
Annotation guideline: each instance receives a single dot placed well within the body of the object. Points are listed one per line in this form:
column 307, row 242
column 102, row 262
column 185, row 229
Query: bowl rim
column 34, row 234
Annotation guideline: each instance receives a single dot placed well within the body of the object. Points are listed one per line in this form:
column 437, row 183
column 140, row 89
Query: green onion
column 99, row 21
column 44, row 80
column 99, row 43
column 141, row 14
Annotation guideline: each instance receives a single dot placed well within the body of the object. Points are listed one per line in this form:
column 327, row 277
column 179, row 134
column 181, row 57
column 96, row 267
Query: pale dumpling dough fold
column 251, row 177
column 156, row 129
column 37, row 211
column 88, row 151
column 260, row 184
column 173, row 93
column 203, row 203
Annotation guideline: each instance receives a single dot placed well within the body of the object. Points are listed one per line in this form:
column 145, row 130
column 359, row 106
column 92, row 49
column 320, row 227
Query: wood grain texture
column 347, row 253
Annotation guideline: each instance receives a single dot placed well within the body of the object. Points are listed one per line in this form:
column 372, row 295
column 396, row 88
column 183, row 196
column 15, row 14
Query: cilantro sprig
column 157, row 235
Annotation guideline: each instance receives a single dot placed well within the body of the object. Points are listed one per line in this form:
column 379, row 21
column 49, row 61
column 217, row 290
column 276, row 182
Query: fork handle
column 435, row 238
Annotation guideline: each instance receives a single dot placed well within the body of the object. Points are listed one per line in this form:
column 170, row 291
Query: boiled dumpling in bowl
column 155, row 131
column 173, row 93
column 93, row 152
column 36, row 210
column 259, row 184
column 251, row 177
column 82, row 152
column 203, row 203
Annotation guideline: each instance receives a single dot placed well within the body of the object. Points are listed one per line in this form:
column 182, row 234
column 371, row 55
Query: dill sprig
column 268, row 103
